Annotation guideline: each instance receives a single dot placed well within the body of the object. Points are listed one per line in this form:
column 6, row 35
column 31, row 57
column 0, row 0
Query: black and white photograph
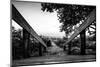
column 45, row 33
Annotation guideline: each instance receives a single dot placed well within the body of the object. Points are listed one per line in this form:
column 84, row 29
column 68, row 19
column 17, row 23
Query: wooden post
column 40, row 50
column 64, row 48
column 26, row 37
column 69, row 48
column 83, row 42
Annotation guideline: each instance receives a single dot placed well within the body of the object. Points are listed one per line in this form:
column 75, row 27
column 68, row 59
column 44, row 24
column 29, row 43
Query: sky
column 44, row 23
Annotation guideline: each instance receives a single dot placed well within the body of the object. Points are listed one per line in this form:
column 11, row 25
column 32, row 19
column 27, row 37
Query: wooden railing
column 90, row 18
column 18, row 18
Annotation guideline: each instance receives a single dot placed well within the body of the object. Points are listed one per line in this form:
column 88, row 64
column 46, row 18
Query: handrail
column 90, row 18
column 16, row 16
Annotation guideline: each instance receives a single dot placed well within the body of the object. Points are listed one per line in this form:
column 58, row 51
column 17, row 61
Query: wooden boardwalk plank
column 54, row 59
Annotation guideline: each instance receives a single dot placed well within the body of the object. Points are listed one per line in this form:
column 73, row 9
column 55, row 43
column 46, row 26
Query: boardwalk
column 59, row 56
column 53, row 53
column 54, row 59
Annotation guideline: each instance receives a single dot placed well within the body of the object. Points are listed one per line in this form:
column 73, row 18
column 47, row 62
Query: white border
column 5, row 33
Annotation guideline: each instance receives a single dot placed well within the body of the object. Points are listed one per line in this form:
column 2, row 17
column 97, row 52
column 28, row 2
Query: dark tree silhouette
column 70, row 15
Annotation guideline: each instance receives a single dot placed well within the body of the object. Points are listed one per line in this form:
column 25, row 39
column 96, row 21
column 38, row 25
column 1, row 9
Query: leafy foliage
column 69, row 15
column 17, row 44
column 18, row 47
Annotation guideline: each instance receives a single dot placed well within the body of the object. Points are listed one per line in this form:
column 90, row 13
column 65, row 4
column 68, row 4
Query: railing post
column 83, row 42
column 69, row 48
column 40, row 50
column 26, row 37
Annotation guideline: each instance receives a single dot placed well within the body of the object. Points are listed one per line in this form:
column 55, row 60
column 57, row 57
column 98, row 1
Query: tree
column 17, row 44
column 70, row 15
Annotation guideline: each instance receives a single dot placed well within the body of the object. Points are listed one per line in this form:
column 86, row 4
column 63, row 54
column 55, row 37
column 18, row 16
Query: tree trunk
column 83, row 42
column 26, row 37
